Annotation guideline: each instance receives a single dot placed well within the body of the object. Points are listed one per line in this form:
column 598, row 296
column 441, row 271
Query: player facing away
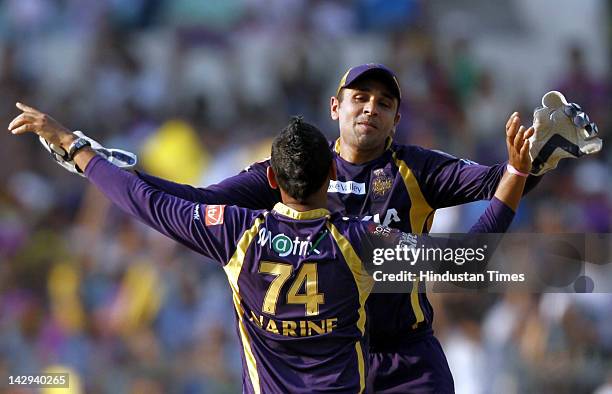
column 378, row 180
column 296, row 272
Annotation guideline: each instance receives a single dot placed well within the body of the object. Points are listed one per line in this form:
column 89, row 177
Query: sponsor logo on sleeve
column 214, row 215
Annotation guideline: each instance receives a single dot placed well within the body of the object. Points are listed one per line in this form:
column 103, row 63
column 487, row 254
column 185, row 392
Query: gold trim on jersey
column 361, row 366
column 363, row 280
column 416, row 305
column 232, row 270
column 364, row 283
column 306, row 215
column 419, row 208
column 419, row 214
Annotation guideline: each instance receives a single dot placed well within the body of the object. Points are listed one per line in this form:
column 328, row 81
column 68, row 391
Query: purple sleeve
column 248, row 189
column 450, row 181
column 495, row 219
column 181, row 220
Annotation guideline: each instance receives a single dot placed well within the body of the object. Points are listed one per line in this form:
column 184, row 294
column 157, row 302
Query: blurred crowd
column 198, row 89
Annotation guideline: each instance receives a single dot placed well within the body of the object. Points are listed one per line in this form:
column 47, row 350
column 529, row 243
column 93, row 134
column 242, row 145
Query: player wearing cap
column 298, row 281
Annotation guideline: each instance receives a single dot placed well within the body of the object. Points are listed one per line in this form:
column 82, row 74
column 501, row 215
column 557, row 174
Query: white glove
column 120, row 158
column 562, row 130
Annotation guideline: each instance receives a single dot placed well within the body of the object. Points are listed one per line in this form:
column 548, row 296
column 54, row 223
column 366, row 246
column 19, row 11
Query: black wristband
column 76, row 145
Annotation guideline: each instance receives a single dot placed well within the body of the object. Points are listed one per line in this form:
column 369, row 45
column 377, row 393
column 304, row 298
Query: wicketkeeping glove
column 118, row 157
column 562, row 130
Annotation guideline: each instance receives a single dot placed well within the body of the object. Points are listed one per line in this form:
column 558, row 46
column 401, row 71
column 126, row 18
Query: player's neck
column 315, row 201
column 355, row 155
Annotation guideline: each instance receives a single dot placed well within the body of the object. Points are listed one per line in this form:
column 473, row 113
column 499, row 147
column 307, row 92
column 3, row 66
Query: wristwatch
column 76, row 145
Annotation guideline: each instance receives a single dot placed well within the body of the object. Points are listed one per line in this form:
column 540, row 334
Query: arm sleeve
column 495, row 219
column 248, row 189
column 181, row 220
column 450, row 181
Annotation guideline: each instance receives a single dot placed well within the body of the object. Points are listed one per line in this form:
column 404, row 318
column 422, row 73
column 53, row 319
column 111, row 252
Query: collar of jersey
column 305, row 215
column 337, row 145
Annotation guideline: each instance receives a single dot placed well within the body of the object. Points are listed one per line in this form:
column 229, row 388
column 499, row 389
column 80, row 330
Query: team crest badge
column 381, row 183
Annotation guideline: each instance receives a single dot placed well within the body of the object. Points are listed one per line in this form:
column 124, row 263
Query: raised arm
column 248, row 189
column 179, row 219
column 496, row 218
column 449, row 181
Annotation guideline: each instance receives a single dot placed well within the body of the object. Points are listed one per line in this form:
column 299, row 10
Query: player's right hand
column 35, row 121
column 517, row 142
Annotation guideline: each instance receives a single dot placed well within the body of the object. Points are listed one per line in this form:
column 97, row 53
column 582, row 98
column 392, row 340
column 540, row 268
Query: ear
column 271, row 178
column 334, row 103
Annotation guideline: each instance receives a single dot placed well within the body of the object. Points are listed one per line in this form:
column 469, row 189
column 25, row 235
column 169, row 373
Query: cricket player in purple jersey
column 378, row 180
column 296, row 272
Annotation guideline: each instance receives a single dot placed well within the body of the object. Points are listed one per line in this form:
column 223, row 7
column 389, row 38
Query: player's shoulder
column 413, row 154
column 258, row 166
column 410, row 152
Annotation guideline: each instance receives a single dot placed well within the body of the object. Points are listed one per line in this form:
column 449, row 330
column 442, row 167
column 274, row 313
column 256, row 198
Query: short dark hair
column 301, row 159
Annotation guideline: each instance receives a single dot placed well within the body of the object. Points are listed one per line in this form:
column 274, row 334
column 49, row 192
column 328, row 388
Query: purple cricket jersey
column 401, row 189
column 298, row 281
column 299, row 288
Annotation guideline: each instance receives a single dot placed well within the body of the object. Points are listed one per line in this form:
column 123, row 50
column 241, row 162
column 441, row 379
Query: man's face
column 367, row 113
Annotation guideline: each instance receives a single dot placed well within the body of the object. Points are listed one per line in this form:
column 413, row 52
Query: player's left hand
column 517, row 143
column 35, row 121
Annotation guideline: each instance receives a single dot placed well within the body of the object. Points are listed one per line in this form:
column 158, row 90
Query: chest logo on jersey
column 283, row 245
column 381, row 183
column 214, row 215
column 348, row 187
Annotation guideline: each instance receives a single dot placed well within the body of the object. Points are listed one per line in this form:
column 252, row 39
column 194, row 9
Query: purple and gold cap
column 381, row 71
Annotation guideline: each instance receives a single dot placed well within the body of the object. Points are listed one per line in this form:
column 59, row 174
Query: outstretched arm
column 249, row 189
column 449, row 181
column 179, row 219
